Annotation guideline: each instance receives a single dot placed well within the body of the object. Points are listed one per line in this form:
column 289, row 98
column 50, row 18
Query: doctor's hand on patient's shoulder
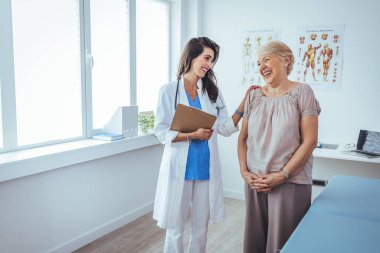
column 240, row 108
column 252, row 87
column 202, row 134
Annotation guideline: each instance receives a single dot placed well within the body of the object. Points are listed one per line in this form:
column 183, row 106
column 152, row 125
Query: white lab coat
column 173, row 165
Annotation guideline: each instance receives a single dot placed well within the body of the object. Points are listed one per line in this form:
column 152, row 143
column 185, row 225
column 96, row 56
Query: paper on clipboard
column 189, row 119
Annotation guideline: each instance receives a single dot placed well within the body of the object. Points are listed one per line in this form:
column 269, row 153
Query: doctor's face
column 201, row 64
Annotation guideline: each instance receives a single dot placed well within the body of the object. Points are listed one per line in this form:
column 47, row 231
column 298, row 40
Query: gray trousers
column 272, row 217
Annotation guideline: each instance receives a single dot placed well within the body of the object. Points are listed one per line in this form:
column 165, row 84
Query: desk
column 345, row 218
column 338, row 154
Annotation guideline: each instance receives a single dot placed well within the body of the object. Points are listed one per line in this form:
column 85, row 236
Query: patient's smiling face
column 272, row 69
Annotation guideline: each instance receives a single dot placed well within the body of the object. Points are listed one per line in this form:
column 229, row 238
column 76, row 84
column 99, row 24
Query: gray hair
column 279, row 49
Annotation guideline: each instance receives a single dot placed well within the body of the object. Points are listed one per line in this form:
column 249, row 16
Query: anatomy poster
column 252, row 40
column 319, row 56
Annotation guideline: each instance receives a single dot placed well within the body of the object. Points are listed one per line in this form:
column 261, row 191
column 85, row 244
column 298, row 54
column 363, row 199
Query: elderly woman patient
column 278, row 135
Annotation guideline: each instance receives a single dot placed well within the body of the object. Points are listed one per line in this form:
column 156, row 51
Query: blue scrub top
column 198, row 157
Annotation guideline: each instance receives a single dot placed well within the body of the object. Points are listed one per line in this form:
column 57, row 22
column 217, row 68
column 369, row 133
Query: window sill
column 36, row 160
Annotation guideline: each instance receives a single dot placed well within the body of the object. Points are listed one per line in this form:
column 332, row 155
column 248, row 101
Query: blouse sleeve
column 308, row 104
column 248, row 104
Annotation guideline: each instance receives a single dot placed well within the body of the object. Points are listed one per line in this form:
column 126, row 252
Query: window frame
column 7, row 78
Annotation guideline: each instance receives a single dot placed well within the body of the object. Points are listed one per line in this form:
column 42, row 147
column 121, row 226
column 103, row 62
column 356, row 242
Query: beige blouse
column 274, row 130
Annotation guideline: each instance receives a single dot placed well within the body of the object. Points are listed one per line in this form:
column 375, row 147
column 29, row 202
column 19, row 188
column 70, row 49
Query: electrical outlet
column 320, row 182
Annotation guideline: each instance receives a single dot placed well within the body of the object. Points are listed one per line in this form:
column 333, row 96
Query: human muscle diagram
column 319, row 56
column 310, row 55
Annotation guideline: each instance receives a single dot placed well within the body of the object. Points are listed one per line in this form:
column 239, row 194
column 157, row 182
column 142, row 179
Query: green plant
column 146, row 121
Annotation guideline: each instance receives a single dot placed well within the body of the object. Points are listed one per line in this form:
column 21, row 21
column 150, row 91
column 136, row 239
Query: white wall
column 63, row 209
column 355, row 106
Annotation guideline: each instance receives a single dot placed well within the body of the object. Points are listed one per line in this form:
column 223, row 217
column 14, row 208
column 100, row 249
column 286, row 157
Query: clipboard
column 189, row 119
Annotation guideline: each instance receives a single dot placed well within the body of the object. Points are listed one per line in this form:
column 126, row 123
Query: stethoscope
column 218, row 108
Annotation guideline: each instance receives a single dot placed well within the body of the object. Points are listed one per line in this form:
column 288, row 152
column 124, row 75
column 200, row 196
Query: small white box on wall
column 124, row 121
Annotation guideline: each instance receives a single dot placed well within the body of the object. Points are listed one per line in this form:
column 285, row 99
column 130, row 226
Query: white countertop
column 338, row 154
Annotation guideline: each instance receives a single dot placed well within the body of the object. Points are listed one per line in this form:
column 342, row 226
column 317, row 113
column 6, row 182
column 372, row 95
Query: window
column 152, row 43
column 67, row 66
column 47, row 69
column 110, row 52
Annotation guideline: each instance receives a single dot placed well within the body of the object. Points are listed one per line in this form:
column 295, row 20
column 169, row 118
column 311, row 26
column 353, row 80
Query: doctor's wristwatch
column 239, row 113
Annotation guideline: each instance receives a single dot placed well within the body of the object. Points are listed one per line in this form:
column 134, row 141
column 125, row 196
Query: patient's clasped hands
column 264, row 183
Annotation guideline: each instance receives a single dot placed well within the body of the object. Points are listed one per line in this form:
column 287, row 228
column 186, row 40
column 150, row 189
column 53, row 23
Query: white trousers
column 194, row 203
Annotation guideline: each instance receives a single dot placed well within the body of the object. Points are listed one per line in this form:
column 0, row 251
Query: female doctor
column 189, row 182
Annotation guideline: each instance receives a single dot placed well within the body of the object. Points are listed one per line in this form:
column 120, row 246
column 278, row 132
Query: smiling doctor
column 189, row 183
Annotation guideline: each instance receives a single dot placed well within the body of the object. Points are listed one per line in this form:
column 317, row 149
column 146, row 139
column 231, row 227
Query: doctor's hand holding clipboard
column 191, row 120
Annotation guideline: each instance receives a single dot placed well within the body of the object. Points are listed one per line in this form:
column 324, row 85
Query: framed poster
column 319, row 56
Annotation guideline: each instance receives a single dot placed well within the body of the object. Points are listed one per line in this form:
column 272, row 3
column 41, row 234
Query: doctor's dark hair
column 193, row 49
